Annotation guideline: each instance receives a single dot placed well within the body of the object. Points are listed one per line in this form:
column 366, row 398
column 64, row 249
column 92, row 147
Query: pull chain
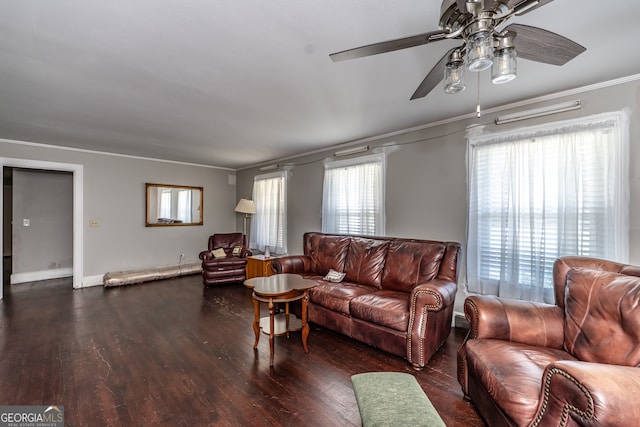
column 478, row 106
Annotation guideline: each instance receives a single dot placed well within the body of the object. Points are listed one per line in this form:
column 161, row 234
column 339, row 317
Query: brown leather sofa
column 575, row 363
column 230, row 268
column 397, row 294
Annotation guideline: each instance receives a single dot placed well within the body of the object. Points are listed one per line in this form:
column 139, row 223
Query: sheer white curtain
column 269, row 223
column 353, row 196
column 164, row 207
column 184, row 205
column 542, row 192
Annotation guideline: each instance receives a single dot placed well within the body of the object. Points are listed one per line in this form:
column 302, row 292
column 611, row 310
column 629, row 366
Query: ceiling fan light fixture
column 486, row 43
column 479, row 51
column 505, row 65
column 454, row 73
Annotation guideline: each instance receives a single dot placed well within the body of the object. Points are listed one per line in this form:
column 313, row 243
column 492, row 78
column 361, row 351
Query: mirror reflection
column 173, row 205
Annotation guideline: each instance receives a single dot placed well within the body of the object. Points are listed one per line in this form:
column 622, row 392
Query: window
column 269, row 223
column 539, row 193
column 353, row 196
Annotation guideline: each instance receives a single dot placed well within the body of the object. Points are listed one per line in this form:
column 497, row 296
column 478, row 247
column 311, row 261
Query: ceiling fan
column 477, row 23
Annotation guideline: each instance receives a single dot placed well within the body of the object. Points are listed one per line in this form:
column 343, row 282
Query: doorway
column 77, row 171
column 41, row 230
column 7, row 215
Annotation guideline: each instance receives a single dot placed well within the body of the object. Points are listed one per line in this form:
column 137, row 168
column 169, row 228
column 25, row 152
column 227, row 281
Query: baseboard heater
column 119, row 278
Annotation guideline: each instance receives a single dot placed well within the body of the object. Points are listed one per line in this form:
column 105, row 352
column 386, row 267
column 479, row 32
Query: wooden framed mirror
column 173, row 205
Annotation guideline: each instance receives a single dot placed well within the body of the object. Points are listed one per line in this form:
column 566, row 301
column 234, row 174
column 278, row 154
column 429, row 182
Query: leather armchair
column 229, row 269
column 572, row 363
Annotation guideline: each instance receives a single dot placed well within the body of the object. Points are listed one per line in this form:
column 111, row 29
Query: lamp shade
column 505, row 66
column 246, row 206
column 479, row 51
column 454, row 73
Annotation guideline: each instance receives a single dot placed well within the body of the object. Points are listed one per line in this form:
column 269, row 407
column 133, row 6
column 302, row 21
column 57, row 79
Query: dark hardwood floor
column 173, row 353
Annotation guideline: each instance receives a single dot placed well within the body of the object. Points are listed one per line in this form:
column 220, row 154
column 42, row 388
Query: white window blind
column 269, row 223
column 353, row 196
column 539, row 193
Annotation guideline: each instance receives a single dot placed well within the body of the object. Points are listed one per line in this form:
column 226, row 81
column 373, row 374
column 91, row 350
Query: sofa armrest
column 430, row 312
column 583, row 393
column 205, row 255
column 510, row 320
column 525, row 322
column 433, row 295
column 293, row 264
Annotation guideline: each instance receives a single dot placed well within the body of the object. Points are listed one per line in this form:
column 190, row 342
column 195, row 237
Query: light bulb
column 505, row 67
column 454, row 73
column 479, row 51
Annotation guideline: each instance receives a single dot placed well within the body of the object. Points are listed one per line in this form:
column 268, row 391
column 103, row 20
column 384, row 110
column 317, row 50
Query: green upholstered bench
column 393, row 399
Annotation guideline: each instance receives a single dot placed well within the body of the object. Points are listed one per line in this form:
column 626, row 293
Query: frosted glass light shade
column 505, row 67
column 479, row 55
column 454, row 77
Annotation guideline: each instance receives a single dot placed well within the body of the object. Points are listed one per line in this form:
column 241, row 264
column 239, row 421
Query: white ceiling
column 233, row 83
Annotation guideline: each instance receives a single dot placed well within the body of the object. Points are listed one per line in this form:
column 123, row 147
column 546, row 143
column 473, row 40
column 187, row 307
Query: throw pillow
column 237, row 251
column 218, row 253
column 334, row 276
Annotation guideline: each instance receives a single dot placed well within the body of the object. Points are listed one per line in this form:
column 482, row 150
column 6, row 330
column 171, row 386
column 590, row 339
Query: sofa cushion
column 327, row 253
column 383, row 307
column 222, row 263
column 602, row 324
column 510, row 372
column 411, row 263
column 365, row 261
column 336, row 296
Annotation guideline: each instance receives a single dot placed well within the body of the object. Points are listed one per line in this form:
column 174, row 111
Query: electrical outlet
column 94, row 223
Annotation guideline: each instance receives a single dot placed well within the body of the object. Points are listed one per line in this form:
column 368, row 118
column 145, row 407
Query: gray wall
column 45, row 199
column 426, row 175
column 426, row 190
column 114, row 194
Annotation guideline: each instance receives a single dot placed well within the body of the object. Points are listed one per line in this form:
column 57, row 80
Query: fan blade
column 434, row 77
column 387, row 46
column 525, row 6
column 540, row 45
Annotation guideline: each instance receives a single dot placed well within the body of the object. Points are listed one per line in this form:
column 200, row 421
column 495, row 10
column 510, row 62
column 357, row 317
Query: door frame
column 77, row 171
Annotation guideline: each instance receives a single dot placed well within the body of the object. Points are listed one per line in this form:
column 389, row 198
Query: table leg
column 286, row 311
column 305, row 325
column 271, row 330
column 256, row 321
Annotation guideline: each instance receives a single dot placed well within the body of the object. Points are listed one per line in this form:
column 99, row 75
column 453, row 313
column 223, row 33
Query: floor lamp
column 247, row 207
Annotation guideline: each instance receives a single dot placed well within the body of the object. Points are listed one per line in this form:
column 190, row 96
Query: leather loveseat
column 230, row 267
column 397, row 294
column 572, row 363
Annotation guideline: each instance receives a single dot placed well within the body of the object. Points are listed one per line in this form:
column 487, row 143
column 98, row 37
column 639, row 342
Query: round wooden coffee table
column 280, row 288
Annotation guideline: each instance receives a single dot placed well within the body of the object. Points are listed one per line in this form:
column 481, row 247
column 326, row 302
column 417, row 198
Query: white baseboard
column 88, row 281
column 34, row 276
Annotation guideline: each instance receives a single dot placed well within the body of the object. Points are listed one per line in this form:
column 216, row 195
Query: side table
column 279, row 288
column 258, row 266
